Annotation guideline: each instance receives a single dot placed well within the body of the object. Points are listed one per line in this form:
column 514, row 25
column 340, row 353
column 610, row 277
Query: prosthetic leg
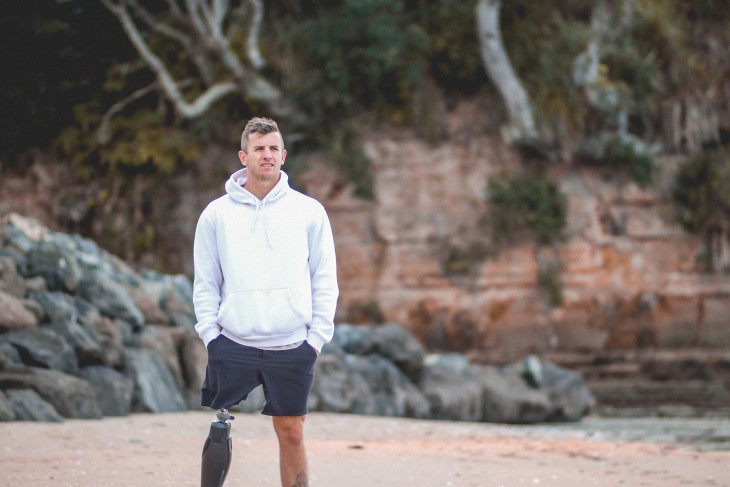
column 217, row 451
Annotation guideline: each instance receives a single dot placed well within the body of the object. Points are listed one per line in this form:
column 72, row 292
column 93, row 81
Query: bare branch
column 174, row 8
column 187, row 110
column 103, row 134
column 209, row 49
column 252, row 41
column 198, row 24
column 159, row 27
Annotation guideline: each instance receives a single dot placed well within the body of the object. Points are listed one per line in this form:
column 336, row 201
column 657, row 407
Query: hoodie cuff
column 316, row 342
column 209, row 335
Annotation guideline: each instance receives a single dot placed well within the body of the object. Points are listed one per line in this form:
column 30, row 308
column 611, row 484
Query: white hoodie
column 265, row 270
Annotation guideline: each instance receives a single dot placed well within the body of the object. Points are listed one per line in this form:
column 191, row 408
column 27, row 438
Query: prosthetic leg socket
column 217, row 453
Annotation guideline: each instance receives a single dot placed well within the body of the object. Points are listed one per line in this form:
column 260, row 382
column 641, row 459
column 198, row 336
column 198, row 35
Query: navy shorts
column 234, row 370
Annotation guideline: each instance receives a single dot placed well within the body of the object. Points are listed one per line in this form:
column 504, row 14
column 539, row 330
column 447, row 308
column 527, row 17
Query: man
column 265, row 293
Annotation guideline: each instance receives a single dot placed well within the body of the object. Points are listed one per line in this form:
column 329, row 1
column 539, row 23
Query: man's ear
column 242, row 158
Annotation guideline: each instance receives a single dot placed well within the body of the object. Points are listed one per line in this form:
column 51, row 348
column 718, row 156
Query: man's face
column 264, row 156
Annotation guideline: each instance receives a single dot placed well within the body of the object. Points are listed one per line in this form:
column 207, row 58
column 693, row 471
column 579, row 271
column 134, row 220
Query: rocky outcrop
column 82, row 335
column 629, row 277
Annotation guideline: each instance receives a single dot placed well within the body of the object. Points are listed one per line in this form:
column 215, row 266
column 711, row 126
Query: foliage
column 359, row 54
column 462, row 259
column 523, row 206
column 630, row 155
column 549, row 280
column 451, row 28
column 543, row 39
column 701, row 191
column 701, row 195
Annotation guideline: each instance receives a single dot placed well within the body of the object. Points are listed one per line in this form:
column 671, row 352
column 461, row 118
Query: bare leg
column 292, row 455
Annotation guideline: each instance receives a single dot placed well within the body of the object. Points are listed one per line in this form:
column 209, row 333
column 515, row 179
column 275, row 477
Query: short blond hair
column 259, row 125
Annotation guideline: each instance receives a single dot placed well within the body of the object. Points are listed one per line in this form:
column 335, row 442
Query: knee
column 289, row 430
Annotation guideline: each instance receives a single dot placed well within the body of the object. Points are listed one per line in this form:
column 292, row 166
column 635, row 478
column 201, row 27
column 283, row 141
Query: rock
column 112, row 389
column 10, row 281
column 63, row 317
column 9, row 356
column 56, row 264
column 194, row 357
column 507, row 397
column 451, row 394
column 43, row 348
column 166, row 342
column 354, row 339
column 571, row 399
column 396, row 344
column 391, row 390
column 112, row 334
column 6, row 408
column 155, row 390
column 110, row 298
column 27, row 405
column 337, row 389
column 14, row 313
column 70, row 396
column 147, row 304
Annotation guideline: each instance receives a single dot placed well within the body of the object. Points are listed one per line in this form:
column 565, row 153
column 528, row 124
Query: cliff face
column 628, row 275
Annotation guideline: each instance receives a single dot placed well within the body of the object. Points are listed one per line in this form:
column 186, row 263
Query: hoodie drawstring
column 262, row 205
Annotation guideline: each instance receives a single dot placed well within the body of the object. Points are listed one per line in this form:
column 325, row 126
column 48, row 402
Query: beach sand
column 344, row 451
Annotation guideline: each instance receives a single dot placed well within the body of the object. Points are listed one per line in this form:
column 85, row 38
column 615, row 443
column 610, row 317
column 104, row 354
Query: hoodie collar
column 236, row 191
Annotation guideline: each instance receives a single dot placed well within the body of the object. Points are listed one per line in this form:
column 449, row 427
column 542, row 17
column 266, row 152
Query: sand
column 344, row 451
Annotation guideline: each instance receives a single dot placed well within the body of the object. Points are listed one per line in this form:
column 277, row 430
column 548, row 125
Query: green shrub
column 361, row 54
column 701, row 190
column 549, row 280
column 631, row 155
column 701, row 196
column 529, row 206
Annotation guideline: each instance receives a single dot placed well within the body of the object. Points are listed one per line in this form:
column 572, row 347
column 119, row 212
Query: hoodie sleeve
column 208, row 277
column 323, row 272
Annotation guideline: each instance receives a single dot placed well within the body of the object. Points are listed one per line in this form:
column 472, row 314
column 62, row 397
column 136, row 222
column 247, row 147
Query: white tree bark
column 500, row 71
column 209, row 47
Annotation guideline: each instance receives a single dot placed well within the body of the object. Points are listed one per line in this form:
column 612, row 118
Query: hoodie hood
column 236, row 191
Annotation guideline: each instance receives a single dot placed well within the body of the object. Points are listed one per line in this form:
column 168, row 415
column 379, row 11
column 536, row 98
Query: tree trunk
column 499, row 69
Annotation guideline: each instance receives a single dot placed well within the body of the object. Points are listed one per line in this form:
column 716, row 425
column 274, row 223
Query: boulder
column 62, row 316
column 396, row 344
column 337, row 389
column 15, row 313
column 10, row 281
column 42, row 347
column 452, row 395
column 27, row 405
column 110, row 297
column 194, row 358
column 166, row 342
column 6, row 408
column 353, row 339
column 508, row 398
column 56, row 263
column 112, row 389
column 70, row 396
column 392, row 392
column 155, row 390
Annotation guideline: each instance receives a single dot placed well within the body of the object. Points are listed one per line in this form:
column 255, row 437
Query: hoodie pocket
column 261, row 312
